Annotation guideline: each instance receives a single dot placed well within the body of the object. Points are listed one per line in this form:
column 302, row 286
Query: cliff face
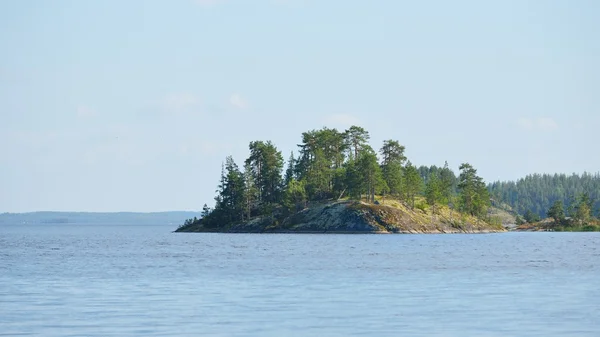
column 359, row 217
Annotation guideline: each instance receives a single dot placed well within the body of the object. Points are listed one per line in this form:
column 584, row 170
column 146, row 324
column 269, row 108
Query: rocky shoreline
column 354, row 217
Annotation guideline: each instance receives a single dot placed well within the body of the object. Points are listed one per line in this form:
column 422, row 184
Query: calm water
column 69, row 280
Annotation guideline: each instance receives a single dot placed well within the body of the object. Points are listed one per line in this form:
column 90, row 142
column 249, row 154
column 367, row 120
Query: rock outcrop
column 359, row 217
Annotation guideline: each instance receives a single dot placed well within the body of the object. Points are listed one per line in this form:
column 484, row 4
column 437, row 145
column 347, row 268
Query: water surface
column 89, row 280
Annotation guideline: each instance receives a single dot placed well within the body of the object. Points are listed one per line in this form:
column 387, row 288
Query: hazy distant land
column 98, row 218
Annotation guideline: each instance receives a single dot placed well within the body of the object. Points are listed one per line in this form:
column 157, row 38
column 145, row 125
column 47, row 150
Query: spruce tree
column 557, row 212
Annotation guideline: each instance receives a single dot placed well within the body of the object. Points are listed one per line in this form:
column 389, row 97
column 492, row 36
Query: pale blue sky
column 132, row 105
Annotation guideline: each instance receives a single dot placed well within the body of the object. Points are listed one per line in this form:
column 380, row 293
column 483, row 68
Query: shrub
column 421, row 206
column 590, row 228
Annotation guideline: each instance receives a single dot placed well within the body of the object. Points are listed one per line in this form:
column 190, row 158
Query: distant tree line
column 536, row 193
column 332, row 165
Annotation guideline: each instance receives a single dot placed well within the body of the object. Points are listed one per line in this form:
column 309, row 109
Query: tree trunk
column 341, row 194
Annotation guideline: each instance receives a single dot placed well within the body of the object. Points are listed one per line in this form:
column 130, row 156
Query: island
column 337, row 183
column 355, row 217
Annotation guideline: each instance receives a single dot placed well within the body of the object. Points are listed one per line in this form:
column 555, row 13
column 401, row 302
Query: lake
column 89, row 280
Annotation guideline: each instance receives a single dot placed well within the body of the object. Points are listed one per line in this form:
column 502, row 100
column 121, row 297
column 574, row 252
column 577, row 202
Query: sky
column 133, row 105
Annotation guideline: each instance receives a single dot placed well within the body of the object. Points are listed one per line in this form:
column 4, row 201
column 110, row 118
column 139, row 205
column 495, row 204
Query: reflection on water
column 69, row 280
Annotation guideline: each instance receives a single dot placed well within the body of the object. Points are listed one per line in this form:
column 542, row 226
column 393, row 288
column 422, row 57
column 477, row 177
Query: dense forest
column 334, row 165
column 537, row 193
column 559, row 196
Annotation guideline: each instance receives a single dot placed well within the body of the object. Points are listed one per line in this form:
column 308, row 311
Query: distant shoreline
column 97, row 218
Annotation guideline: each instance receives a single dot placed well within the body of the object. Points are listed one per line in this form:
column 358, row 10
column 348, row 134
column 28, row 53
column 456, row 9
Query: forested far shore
column 334, row 165
column 552, row 202
column 536, row 193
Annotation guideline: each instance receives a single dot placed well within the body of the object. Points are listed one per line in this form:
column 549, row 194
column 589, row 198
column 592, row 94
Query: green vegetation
column 537, row 192
column 571, row 203
column 333, row 167
column 581, row 219
column 474, row 196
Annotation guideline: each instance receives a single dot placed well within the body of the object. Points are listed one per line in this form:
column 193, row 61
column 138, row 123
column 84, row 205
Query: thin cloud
column 238, row 101
column 83, row 111
column 545, row 124
column 178, row 103
column 341, row 120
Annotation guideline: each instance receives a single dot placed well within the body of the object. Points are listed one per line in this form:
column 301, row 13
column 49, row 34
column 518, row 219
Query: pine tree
column 356, row 138
column 319, row 177
column 392, row 174
column 392, row 154
column 353, row 180
column 413, row 183
column 370, row 174
column 266, row 163
column 474, row 195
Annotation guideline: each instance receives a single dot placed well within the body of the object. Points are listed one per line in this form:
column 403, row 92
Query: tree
column 289, row 172
column 571, row 203
column 294, row 196
column 251, row 193
column 229, row 201
column 266, row 163
column 356, row 138
column 370, row 174
column 321, row 158
column 433, row 191
column 392, row 175
column 205, row 211
column 557, row 212
column 392, row 154
column 474, row 195
column 232, row 192
column 583, row 208
column 447, row 183
column 531, row 217
column 353, row 180
column 317, row 179
column 333, row 145
column 413, row 183
column 339, row 182
column 537, row 192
